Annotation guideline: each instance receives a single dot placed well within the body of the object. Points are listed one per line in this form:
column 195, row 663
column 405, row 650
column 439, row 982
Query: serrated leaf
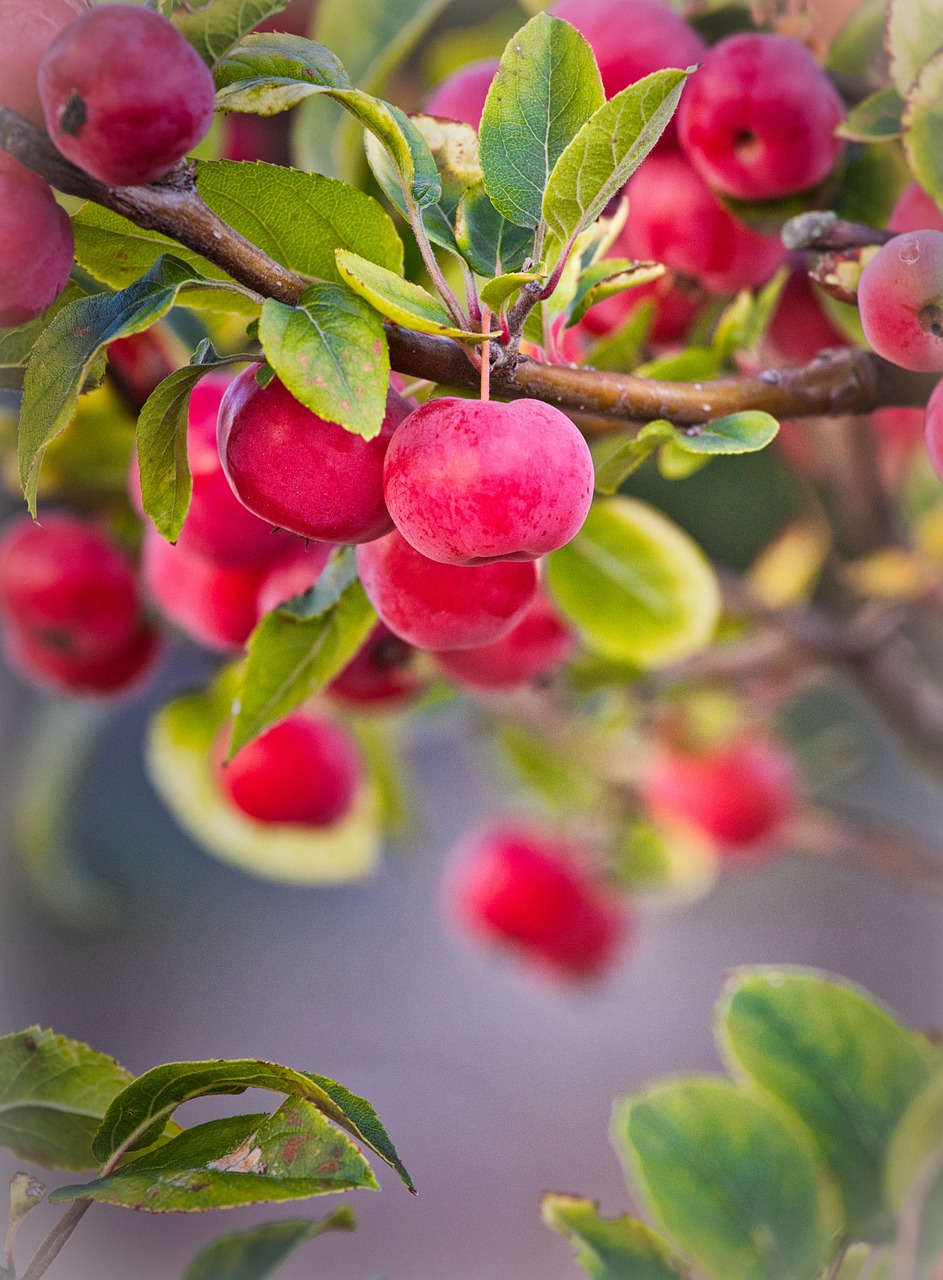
column 292, row 1154
column 496, row 292
column 290, row 658
column 454, row 148
column 140, row 1111
column 635, row 585
column 546, row 88
column 257, row 1253
column 913, row 33
column 840, row 1062
column 215, row 27
column 400, row 300
column 731, row 1178
column 604, row 280
column 876, row 119
column 331, row 353
column 610, row 1248
column 923, row 121
column 607, row 151
column 69, row 346
column 489, row 243
column 180, row 755
column 17, row 343
column 53, row 1094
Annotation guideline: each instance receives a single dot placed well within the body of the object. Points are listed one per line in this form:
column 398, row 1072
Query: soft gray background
column 492, row 1087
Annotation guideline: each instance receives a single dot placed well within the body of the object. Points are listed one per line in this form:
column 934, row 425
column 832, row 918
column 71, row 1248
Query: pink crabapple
column 461, row 96
column 536, row 646
column 36, row 244
column 900, row 299
column 27, row 29
column 380, row 676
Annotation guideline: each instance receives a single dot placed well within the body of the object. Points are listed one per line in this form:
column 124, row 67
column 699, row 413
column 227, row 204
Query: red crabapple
column 36, row 244
column 900, row 297
column 125, row 96
column 471, row 481
column 933, row 428
column 462, row 95
column 740, row 793
column 99, row 676
column 139, row 363
column 304, row 771
column 799, row 328
column 538, row 644
column 27, row 29
column 528, row 890
column 297, row 470
column 381, row 674
column 675, row 219
column 915, row 211
column 443, row 606
column 758, row 119
column 67, row 588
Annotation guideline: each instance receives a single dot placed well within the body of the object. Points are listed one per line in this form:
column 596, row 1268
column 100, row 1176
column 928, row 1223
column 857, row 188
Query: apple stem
column 485, row 354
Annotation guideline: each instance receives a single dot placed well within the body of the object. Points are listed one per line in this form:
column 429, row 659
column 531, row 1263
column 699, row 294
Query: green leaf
column 337, row 575
column 496, row 292
column 69, row 346
column 373, row 36
column 693, row 364
column 331, row 353
column 923, row 120
column 744, row 432
column 635, row 585
column 618, row 457
column 915, row 1181
column 610, row 1248
column 257, row 1253
column 607, row 150
column 214, row 28
column 489, row 243
column 859, row 41
column 876, row 119
column 291, row 1154
column 687, row 450
column 546, row 88
column 744, row 321
column 604, row 280
column 837, row 1059
column 140, row 1111
column 400, row 300
column 53, row 1094
column 291, row 657
column 912, row 35
column 732, row 1179
column 17, row 343
column 454, row 148
column 181, row 754
column 162, row 443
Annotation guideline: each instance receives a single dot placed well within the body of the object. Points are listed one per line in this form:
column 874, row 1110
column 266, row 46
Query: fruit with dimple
column 124, row 95
column 443, row 606
column 537, row 646
column 304, row 771
column 472, row 481
column 758, row 119
column 36, row 244
column 98, row 676
column 900, row 298
column 27, row 29
column 741, row 792
column 461, row 96
column 300, row 472
column 675, row 219
column 525, row 889
column 381, row 674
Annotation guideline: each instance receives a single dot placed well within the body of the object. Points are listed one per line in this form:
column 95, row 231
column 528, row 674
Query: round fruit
column 915, row 211
column 523, row 888
column 36, row 244
column 758, row 119
column 125, row 96
column 27, row 29
column 900, row 297
column 381, row 674
column 118, row 672
column 462, row 95
column 299, row 472
column 799, row 328
column 740, row 793
column 933, row 428
column 304, row 771
column 539, row 644
column 443, row 606
column 472, row 481
column 66, row 588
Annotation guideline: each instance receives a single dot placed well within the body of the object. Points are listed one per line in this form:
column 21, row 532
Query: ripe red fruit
column 915, row 211
column 443, row 606
column 740, row 793
column 115, row 672
column 799, row 328
column 462, row 95
column 523, row 888
column 538, row 644
column 675, row 219
column 27, row 28
column 139, row 363
column 933, row 428
column 292, row 574
column 303, row 771
column 124, row 95
column 900, row 298
column 297, row 471
column 758, row 119
column 67, row 588
column 381, row 674
column 471, row 481
column 36, row 244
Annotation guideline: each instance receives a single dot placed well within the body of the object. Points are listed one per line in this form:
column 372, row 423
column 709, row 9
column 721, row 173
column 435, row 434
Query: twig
column 48, row 1251
column 823, row 229
column 886, row 851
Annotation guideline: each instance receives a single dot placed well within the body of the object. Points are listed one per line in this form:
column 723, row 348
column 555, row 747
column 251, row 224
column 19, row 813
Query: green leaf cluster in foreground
column 825, row 1144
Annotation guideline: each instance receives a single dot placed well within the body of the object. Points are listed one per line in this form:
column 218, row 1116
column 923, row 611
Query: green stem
column 50, row 1248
